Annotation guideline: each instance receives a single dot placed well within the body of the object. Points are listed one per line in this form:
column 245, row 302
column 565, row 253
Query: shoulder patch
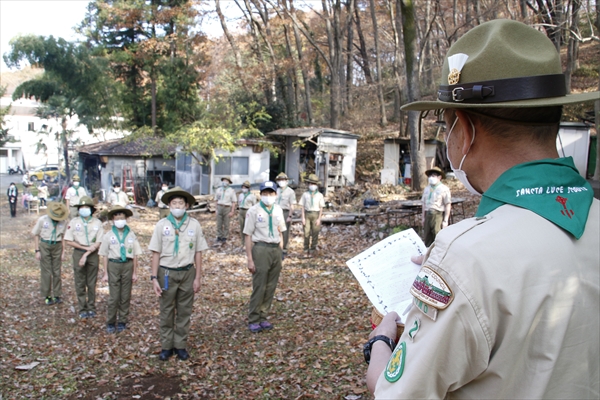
column 395, row 367
column 431, row 289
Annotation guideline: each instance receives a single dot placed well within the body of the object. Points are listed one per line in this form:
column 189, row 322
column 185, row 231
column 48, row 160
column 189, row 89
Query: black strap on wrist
column 369, row 345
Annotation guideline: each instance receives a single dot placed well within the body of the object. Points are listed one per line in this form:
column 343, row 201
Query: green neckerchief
column 85, row 227
column 551, row 188
column 122, row 241
column 312, row 197
column 53, row 234
column 433, row 187
column 76, row 190
column 176, row 226
column 244, row 199
column 270, row 213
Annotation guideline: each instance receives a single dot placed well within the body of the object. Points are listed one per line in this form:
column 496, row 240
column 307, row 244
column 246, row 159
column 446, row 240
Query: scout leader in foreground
column 506, row 303
column 84, row 234
column 50, row 250
column 177, row 244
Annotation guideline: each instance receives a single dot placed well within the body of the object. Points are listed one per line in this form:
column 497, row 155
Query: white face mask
column 165, row 188
column 225, row 183
column 313, row 188
column 282, row 184
column 433, row 180
column 85, row 212
column 459, row 173
column 244, row 190
column 120, row 223
column 117, row 190
column 177, row 212
column 268, row 200
column 75, row 184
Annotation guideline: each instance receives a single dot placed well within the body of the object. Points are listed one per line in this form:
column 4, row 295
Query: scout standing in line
column 74, row 195
column 246, row 200
column 163, row 210
column 286, row 199
column 120, row 250
column 437, row 204
column 226, row 199
column 50, row 250
column 118, row 197
column 312, row 203
column 177, row 244
column 264, row 245
column 84, row 234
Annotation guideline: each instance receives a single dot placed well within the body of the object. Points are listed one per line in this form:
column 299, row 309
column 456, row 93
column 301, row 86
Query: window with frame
column 184, row 162
column 232, row 166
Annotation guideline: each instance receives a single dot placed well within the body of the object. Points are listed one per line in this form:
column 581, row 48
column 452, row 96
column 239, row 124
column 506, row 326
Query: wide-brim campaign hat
column 502, row 64
column 57, row 211
column 76, row 178
column 246, row 184
column 312, row 178
column 227, row 178
column 86, row 201
column 178, row 192
column 436, row 170
column 119, row 210
column 282, row 176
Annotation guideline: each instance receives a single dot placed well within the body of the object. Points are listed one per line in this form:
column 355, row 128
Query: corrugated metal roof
column 309, row 132
column 120, row 147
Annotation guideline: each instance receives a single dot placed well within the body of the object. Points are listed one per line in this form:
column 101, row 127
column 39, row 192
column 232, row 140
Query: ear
column 467, row 133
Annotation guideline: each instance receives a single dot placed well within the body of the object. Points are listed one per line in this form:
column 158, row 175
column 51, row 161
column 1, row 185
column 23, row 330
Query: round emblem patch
column 395, row 367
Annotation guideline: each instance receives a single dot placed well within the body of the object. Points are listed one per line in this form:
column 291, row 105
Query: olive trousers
column 119, row 290
column 267, row 261
column 85, row 280
column 50, row 269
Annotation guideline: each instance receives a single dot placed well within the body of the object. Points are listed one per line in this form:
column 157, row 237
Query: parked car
column 40, row 173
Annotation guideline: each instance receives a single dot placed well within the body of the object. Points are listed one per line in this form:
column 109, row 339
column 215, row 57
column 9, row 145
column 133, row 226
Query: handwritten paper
column 386, row 273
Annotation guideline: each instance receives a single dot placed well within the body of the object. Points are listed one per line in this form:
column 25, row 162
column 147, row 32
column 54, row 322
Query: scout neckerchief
column 280, row 195
column 551, row 188
column 176, row 226
column 53, row 234
column 76, row 190
column 244, row 199
column 431, row 191
column 85, row 224
column 270, row 214
column 312, row 197
column 122, row 241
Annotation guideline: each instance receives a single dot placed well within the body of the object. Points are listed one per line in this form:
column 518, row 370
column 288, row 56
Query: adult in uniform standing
column 312, row 203
column 506, row 303
column 246, row 199
column 84, row 234
column 226, row 199
column 50, row 250
column 117, row 196
column 264, row 245
column 177, row 244
column 74, row 195
column 286, row 199
column 437, row 204
column 163, row 209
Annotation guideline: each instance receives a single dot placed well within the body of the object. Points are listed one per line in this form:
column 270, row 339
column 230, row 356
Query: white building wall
column 349, row 145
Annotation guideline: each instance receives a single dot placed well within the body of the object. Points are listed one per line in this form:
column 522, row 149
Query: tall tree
column 383, row 117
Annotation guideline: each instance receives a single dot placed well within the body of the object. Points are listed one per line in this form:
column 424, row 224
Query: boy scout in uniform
column 264, row 246
column 74, row 195
column 163, row 210
column 118, row 197
column 50, row 250
column 437, row 203
column 286, row 199
column 246, row 200
column 84, row 234
column 506, row 303
column 177, row 244
column 226, row 199
column 120, row 250
column 312, row 203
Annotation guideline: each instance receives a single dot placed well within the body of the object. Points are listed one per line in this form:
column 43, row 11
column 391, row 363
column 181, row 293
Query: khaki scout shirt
column 245, row 202
column 286, row 198
column 225, row 196
column 118, row 199
column 111, row 246
column 74, row 195
column 436, row 198
column 44, row 227
column 191, row 241
column 158, row 200
column 522, row 321
column 312, row 202
column 76, row 231
column 257, row 224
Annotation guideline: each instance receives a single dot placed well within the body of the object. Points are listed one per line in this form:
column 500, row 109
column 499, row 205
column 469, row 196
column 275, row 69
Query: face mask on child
column 120, row 223
column 268, row 200
column 85, row 212
column 313, row 188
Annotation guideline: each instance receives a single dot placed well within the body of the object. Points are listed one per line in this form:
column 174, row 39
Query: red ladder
column 128, row 183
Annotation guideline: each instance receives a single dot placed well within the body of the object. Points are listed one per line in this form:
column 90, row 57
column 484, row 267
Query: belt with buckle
column 186, row 268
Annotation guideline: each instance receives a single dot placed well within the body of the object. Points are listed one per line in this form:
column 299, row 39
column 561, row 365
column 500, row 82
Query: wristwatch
column 152, row 277
column 367, row 347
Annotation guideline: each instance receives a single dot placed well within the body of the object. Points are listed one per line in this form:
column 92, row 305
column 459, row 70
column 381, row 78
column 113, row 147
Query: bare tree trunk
column 573, row 45
column 65, row 145
column 396, row 24
column 153, row 93
column 307, row 96
column 291, row 73
column 383, row 117
column 236, row 51
column 364, row 57
column 349, row 63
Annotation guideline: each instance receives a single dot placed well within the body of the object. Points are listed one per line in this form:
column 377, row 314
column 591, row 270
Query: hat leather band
column 530, row 87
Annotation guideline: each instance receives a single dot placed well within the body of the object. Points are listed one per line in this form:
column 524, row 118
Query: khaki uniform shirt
column 159, row 195
column 74, row 195
column 44, row 227
column 76, row 231
column 43, row 192
column 225, row 196
column 191, row 241
column 312, row 202
column 245, row 202
column 436, row 198
column 523, row 317
column 257, row 224
column 111, row 247
column 286, row 198
column 120, row 199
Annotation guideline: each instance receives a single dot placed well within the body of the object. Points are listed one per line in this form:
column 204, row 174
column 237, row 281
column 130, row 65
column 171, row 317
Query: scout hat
column 86, row 201
column 177, row 191
column 268, row 185
column 76, row 178
column 312, row 178
column 246, row 184
column 281, row 177
column 119, row 210
column 502, row 64
column 436, row 170
column 227, row 178
column 57, row 211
